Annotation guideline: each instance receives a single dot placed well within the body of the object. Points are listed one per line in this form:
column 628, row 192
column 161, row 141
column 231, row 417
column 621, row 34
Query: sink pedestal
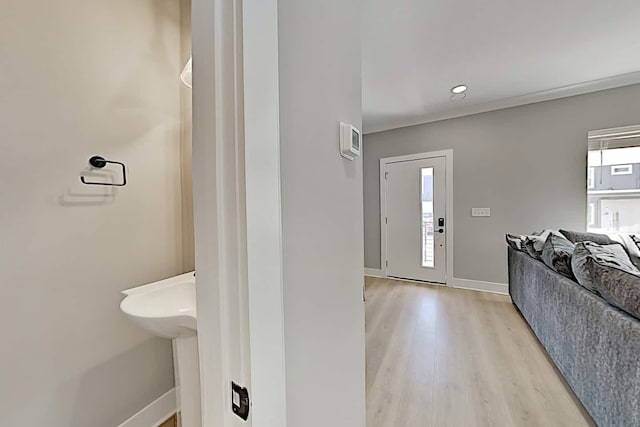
column 188, row 380
column 168, row 309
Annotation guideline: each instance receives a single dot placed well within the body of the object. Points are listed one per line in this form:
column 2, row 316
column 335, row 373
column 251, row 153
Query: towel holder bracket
column 100, row 162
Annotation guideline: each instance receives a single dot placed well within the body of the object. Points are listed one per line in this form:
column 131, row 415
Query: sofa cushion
column 534, row 243
column 634, row 250
column 619, row 285
column 515, row 241
column 630, row 243
column 530, row 244
column 556, row 253
column 580, row 236
column 588, row 257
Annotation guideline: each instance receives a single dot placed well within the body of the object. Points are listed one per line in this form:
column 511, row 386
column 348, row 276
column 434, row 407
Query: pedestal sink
column 168, row 309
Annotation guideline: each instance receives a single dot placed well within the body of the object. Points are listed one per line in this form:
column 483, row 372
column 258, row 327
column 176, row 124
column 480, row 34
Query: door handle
column 441, row 230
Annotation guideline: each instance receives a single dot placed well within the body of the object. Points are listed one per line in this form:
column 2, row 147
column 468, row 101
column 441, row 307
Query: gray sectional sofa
column 595, row 345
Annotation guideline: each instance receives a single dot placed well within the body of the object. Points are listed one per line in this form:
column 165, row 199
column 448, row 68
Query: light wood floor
column 445, row 357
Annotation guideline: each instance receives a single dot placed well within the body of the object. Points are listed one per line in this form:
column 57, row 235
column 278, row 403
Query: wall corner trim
column 154, row 413
column 373, row 272
column 479, row 285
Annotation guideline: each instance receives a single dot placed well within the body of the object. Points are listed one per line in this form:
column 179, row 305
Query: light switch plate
column 484, row 212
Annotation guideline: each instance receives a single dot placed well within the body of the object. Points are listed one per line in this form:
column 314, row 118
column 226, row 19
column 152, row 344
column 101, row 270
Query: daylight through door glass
column 428, row 245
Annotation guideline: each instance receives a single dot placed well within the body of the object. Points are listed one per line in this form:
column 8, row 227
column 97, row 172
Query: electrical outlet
column 484, row 212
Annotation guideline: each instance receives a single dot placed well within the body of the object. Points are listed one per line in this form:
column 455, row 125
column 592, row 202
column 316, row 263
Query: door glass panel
column 428, row 246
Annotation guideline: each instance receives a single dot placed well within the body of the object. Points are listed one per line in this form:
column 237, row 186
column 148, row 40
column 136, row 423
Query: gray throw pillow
column 620, row 286
column 630, row 244
column 515, row 241
column 530, row 248
column 588, row 257
column 557, row 253
column 534, row 243
column 580, row 236
column 635, row 257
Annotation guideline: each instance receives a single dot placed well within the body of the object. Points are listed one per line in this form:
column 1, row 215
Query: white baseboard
column 474, row 285
column 373, row 272
column 478, row 285
column 154, row 413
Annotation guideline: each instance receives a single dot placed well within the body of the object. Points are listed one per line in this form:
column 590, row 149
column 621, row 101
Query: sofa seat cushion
column 588, row 257
column 556, row 254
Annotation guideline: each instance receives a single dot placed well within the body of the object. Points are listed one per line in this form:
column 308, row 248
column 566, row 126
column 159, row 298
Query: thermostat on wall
column 350, row 141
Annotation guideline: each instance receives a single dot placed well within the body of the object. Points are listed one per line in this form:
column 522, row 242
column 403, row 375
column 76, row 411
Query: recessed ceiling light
column 459, row 89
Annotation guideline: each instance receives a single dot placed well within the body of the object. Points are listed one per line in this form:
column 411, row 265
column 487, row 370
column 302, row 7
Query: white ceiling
column 509, row 52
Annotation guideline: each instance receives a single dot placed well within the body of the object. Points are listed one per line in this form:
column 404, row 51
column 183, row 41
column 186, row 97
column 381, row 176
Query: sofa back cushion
column 556, row 254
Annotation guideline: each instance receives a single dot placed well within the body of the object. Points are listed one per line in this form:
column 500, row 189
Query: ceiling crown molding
column 516, row 101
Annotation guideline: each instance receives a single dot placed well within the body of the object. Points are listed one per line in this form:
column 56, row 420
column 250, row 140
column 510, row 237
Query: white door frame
column 448, row 155
column 264, row 219
column 239, row 292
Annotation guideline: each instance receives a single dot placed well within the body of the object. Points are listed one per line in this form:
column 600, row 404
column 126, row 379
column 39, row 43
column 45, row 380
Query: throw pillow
column 515, row 241
column 636, row 261
column 619, row 285
column 588, row 257
column 534, row 243
column 556, row 254
column 580, row 236
column 630, row 243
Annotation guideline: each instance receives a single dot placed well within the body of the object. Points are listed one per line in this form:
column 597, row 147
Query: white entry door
column 415, row 194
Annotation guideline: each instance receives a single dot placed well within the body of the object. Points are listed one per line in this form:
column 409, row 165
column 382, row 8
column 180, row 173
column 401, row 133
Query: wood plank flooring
column 171, row 422
column 447, row 357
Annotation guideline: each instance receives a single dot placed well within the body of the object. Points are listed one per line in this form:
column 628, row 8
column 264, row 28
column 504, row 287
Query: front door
column 416, row 219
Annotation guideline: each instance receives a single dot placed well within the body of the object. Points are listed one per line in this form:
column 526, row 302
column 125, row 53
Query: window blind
column 607, row 139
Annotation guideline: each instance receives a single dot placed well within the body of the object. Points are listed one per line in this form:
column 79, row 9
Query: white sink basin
column 166, row 308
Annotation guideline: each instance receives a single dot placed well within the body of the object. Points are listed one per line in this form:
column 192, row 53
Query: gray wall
column 320, row 85
column 80, row 78
column 528, row 164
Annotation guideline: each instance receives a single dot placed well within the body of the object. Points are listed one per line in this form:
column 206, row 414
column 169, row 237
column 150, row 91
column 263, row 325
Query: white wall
column 320, row 85
column 528, row 164
column 79, row 78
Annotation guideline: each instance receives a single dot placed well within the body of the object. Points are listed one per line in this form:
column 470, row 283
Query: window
column 591, row 217
column 613, row 180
